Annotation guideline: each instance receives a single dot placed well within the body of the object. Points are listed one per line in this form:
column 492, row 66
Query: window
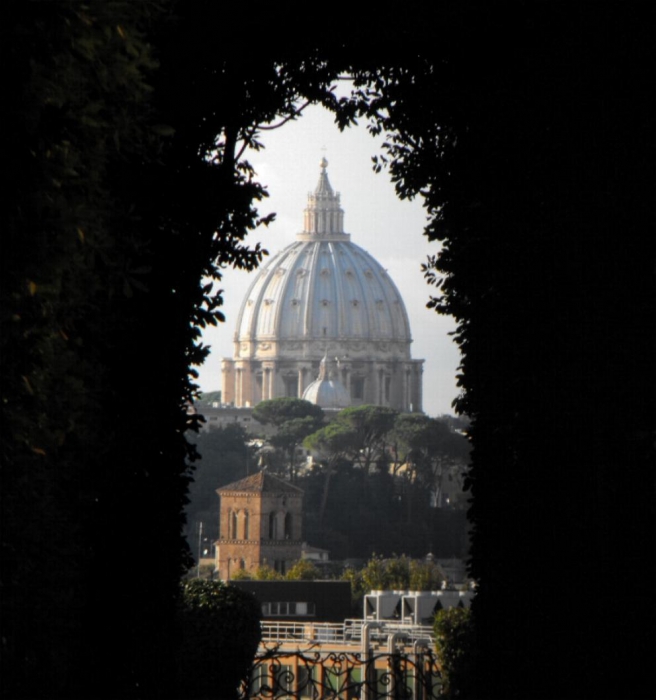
column 357, row 388
column 280, row 565
column 354, row 682
column 233, row 526
column 284, row 681
column 258, row 679
column 288, row 609
column 291, row 387
column 288, row 526
column 304, row 683
column 246, row 525
column 383, row 681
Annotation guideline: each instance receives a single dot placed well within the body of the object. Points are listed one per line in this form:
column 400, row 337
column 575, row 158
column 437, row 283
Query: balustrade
column 352, row 660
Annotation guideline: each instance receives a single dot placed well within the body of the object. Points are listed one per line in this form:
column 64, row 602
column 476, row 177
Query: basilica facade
column 323, row 309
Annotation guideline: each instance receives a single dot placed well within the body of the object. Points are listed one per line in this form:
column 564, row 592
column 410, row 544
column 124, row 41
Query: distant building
column 260, row 523
column 323, row 297
column 321, row 601
column 219, row 416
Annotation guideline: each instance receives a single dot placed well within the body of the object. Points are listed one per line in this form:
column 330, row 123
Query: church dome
column 326, row 390
column 324, row 288
column 321, row 294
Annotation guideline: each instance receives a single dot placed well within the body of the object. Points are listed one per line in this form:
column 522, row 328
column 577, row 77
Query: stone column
column 239, row 387
column 265, row 383
column 227, row 381
column 407, row 388
column 304, row 377
column 301, row 381
column 379, row 387
column 268, row 379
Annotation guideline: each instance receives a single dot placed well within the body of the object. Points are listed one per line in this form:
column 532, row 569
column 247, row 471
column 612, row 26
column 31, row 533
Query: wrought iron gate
column 313, row 673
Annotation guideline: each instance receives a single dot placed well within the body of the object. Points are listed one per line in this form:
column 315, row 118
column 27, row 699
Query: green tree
column 375, row 576
column 303, row 570
column 431, row 451
column 425, row 576
column 358, row 589
column 88, row 480
column 294, row 420
column 266, row 573
column 369, row 427
column 331, row 444
column 220, row 633
column 455, row 644
column 277, row 412
column 241, row 575
column 398, row 573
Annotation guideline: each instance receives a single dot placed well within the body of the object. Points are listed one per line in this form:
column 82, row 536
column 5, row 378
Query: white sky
column 389, row 229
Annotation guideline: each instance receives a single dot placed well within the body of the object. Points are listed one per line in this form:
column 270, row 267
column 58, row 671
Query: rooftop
column 262, row 482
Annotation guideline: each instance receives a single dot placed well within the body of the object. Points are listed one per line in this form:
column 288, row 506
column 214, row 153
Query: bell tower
column 260, row 523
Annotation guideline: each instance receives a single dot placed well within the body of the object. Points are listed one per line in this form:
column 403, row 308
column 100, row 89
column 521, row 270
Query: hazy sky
column 377, row 220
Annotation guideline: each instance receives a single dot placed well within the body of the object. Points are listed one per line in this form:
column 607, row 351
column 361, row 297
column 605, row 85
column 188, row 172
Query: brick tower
column 260, row 523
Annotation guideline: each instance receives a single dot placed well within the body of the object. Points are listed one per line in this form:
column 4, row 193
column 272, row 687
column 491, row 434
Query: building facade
column 260, row 523
column 323, row 296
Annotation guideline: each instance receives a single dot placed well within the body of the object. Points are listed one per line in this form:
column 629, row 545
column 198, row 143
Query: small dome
column 326, row 390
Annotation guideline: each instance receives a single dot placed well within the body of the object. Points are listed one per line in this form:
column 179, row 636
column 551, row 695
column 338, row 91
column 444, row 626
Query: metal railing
column 346, row 675
column 347, row 633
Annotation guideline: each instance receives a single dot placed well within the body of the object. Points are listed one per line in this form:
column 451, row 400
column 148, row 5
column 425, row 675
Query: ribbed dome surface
column 324, row 290
column 323, row 287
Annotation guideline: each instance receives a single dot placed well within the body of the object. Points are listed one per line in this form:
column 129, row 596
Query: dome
column 324, row 288
column 326, row 390
column 323, row 291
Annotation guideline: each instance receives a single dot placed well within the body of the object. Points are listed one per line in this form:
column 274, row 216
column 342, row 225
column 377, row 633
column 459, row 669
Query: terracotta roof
column 262, row 482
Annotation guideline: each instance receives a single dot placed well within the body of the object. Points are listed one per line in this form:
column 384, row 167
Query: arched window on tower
column 273, row 526
column 233, row 525
column 246, row 526
column 288, row 526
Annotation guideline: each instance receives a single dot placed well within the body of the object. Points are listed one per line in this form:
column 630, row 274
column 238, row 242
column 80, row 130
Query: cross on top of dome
column 323, row 217
column 326, row 368
column 323, row 188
